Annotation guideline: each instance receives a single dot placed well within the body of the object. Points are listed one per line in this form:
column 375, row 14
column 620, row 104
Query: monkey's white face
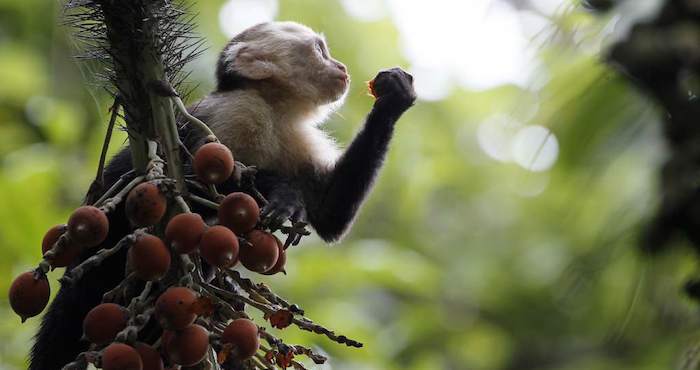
column 292, row 57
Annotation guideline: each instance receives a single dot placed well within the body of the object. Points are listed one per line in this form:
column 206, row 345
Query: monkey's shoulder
column 238, row 107
column 244, row 122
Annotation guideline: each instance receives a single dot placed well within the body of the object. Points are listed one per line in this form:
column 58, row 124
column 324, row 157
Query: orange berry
column 174, row 308
column 184, row 232
column 69, row 252
column 149, row 357
column 145, row 205
column 281, row 259
column 149, row 257
column 88, row 226
column 370, row 88
column 102, row 324
column 243, row 335
column 262, row 254
column 165, row 339
column 239, row 212
column 219, row 247
column 188, row 346
column 213, row 163
column 28, row 295
column 119, row 356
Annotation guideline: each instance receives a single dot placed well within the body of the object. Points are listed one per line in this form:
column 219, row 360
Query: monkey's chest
column 282, row 151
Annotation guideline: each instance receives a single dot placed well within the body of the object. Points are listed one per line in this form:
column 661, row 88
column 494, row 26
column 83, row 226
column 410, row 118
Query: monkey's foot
column 295, row 233
column 285, row 202
column 282, row 207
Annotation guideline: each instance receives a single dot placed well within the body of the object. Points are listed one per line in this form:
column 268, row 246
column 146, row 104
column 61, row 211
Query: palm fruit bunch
column 183, row 295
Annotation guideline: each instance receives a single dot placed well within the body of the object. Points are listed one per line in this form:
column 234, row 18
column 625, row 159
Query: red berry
column 281, row 260
column 184, row 232
column 188, row 346
column 262, row 254
column 149, row 357
column 29, row 296
column 149, row 257
column 119, row 356
column 243, row 335
column 239, row 212
column 69, row 252
column 102, row 324
column 175, row 308
column 219, row 247
column 88, row 226
column 165, row 339
column 145, row 205
column 213, row 163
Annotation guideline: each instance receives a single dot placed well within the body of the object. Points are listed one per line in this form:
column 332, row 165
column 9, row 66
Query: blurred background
column 502, row 233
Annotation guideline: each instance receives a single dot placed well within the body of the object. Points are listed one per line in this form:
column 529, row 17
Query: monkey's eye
column 321, row 49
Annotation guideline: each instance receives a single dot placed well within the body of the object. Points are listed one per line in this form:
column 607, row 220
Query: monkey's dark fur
column 328, row 201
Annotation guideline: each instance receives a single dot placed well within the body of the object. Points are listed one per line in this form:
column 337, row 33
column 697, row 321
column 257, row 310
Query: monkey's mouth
column 344, row 79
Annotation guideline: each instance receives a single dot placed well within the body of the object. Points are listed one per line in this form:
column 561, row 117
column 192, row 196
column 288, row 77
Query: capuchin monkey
column 276, row 83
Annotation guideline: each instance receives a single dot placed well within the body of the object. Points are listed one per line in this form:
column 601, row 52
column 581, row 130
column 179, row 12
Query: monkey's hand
column 393, row 89
column 285, row 202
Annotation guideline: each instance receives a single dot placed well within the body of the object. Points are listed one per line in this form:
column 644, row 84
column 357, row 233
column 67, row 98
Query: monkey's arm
column 333, row 199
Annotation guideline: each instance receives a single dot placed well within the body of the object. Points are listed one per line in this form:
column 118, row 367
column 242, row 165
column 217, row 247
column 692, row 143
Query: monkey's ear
column 248, row 62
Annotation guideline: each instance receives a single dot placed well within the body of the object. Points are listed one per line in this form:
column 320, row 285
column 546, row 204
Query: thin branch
column 192, row 119
column 108, row 204
column 108, row 137
column 123, row 286
column 77, row 272
column 139, row 315
column 58, row 247
column 284, row 348
column 262, row 362
column 99, row 182
column 202, row 201
column 261, row 289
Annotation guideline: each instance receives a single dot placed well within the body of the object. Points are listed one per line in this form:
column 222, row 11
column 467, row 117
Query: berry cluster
column 189, row 309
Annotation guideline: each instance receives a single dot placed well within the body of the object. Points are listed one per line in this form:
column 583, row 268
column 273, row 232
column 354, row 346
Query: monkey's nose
column 341, row 67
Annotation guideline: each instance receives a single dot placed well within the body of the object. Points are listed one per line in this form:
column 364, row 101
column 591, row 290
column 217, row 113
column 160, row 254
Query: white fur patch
column 258, row 136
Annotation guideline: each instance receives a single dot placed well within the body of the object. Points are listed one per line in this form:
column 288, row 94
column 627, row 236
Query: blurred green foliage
column 449, row 265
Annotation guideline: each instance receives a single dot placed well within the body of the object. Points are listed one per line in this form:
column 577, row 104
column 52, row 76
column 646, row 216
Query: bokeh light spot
column 480, row 43
column 365, row 10
column 535, row 148
column 237, row 15
column 495, row 136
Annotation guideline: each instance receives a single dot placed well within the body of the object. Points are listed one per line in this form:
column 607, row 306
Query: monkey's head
column 287, row 56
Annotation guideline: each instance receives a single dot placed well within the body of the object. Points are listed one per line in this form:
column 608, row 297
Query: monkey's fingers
column 243, row 174
column 274, row 215
column 278, row 220
column 298, row 217
column 267, row 210
column 291, row 237
column 297, row 239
